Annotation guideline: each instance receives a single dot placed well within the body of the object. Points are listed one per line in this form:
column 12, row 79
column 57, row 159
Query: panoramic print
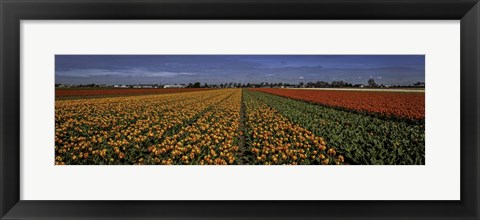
column 239, row 110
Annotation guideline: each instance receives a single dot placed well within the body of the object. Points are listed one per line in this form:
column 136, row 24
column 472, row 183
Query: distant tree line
column 318, row 84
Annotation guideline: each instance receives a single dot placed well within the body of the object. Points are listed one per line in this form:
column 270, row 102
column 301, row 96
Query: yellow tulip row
column 212, row 139
column 119, row 130
column 273, row 139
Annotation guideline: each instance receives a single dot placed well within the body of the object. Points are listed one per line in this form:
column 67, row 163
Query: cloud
column 168, row 74
column 271, row 74
column 301, row 77
column 379, row 77
column 86, row 73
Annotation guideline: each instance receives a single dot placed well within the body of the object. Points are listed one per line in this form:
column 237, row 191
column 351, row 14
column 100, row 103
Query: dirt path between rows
column 241, row 136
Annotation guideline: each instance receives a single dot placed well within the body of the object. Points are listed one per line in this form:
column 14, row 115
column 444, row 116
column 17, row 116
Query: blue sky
column 211, row 69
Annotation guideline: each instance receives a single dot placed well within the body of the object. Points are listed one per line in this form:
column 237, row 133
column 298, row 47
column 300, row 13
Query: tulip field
column 238, row 126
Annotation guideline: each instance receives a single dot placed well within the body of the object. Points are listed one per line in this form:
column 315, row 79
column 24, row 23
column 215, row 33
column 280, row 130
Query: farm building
column 174, row 86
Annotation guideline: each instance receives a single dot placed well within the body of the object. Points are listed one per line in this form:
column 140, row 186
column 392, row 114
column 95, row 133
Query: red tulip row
column 391, row 104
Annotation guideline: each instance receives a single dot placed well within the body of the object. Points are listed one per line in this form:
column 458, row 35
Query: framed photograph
column 239, row 110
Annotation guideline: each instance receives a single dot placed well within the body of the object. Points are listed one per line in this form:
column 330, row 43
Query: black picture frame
column 13, row 11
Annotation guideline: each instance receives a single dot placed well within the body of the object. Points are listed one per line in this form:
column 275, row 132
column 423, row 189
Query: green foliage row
column 361, row 138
